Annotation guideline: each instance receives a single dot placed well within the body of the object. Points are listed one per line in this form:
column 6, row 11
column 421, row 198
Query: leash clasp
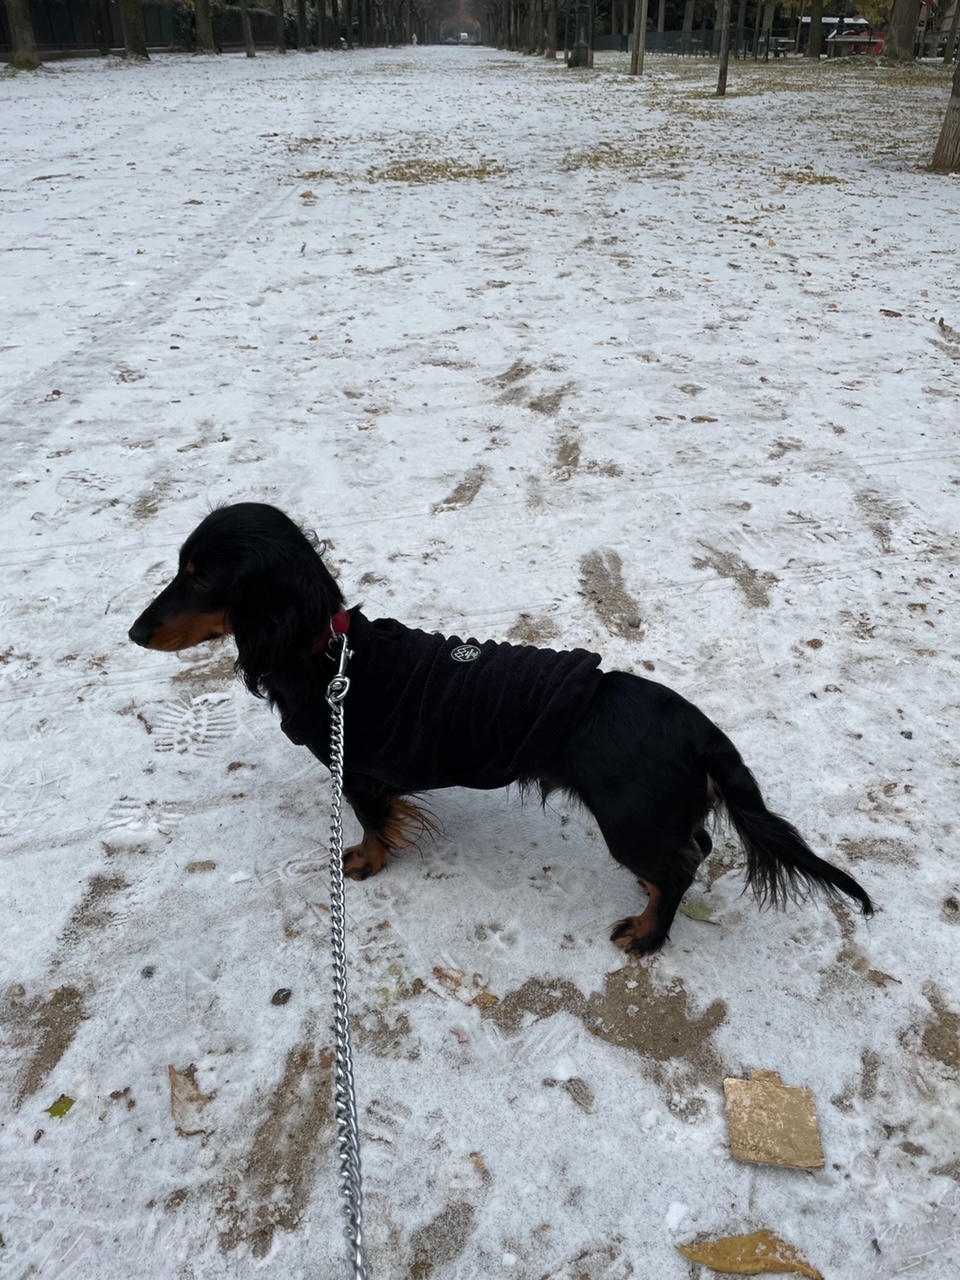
column 339, row 686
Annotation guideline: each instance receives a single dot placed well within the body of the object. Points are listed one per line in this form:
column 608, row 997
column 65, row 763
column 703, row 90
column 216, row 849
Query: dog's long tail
column 780, row 863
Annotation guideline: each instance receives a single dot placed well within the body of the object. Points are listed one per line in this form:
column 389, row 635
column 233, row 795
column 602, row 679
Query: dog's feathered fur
column 646, row 763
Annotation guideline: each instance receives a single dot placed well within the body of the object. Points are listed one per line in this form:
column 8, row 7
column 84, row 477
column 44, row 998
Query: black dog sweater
column 428, row 711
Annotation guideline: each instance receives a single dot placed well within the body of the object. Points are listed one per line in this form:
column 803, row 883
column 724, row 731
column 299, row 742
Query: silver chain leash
column 345, row 1101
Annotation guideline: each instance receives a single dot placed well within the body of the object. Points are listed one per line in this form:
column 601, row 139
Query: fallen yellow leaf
column 187, row 1103
column 760, row 1253
column 697, row 911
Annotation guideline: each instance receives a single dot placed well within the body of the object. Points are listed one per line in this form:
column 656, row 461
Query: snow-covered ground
column 557, row 357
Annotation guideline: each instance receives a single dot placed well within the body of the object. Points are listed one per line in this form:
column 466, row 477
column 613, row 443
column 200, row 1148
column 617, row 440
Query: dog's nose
column 141, row 631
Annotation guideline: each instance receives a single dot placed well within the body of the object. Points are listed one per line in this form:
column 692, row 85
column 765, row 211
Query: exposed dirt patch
column 784, row 446
column 601, row 581
column 941, row 1035
column 540, row 997
column 566, row 457
column 42, row 1030
column 611, row 469
column 871, row 1063
column 420, row 170
column 146, row 504
column 636, row 1015
column 275, row 1180
column 441, row 1241
column 577, row 1089
column 530, row 630
column 879, row 514
column 373, row 1030
column 92, row 911
column 550, row 402
column 218, row 668
column 951, row 345
column 512, row 395
column 866, row 1089
column 878, row 849
column 464, row 492
column 630, row 1012
column 516, row 373
column 727, row 564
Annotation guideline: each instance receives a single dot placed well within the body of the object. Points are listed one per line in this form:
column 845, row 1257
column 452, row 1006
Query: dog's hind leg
column 633, row 763
column 640, row 935
column 390, row 823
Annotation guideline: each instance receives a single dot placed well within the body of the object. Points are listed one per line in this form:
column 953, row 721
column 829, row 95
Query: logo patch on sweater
column 465, row 653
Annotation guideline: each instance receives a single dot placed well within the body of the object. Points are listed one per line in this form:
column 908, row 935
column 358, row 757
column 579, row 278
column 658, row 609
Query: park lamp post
column 579, row 52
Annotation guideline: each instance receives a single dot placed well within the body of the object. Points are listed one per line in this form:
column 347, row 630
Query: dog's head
column 247, row 571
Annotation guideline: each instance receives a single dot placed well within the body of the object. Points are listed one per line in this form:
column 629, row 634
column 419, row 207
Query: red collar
column 339, row 626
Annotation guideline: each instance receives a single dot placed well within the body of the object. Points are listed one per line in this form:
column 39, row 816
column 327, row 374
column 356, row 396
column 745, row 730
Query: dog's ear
column 278, row 611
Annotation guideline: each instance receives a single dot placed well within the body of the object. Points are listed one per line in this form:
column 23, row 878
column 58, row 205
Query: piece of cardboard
column 773, row 1123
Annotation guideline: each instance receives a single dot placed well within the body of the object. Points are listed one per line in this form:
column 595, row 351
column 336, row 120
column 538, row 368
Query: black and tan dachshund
column 424, row 711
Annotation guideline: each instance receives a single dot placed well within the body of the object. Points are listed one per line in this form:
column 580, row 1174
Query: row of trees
column 528, row 26
column 328, row 24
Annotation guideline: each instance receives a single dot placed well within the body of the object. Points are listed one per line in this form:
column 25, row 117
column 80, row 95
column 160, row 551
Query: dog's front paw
column 634, row 935
column 365, row 859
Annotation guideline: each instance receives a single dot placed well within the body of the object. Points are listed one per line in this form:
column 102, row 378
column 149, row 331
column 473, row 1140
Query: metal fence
column 747, row 42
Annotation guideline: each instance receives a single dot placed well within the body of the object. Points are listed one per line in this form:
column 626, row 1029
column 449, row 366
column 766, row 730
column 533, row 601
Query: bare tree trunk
column 248, row 44
column 23, row 44
column 687, row 27
column 902, row 31
column 946, row 158
column 100, row 15
column 950, row 48
column 661, row 21
column 635, row 51
column 134, row 32
column 551, row 49
column 922, row 38
column 302, row 40
column 724, row 47
column 348, row 21
column 204, row 35
column 769, row 13
column 639, row 37
column 740, row 51
column 816, row 29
